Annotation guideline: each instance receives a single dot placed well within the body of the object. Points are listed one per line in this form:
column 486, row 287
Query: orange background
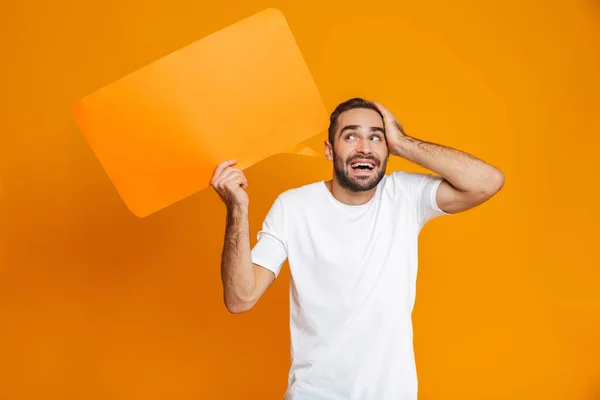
column 96, row 303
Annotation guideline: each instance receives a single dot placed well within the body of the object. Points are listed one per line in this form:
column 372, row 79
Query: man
column 351, row 243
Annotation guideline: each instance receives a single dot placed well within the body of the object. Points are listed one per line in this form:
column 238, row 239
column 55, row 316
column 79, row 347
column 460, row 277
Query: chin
column 360, row 183
column 364, row 186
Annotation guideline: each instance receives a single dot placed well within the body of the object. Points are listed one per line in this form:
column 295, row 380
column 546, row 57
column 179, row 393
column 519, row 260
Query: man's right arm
column 244, row 283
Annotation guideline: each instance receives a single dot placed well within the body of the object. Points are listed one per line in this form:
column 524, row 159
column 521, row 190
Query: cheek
column 341, row 162
column 340, row 159
column 341, row 153
column 383, row 155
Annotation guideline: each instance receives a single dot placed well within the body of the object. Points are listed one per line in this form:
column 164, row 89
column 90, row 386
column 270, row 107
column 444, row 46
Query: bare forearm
column 237, row 272
column 464, row 171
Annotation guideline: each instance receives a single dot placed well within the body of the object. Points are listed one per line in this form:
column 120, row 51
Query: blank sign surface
column 242, row 93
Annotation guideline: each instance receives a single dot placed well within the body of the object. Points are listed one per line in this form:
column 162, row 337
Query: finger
column 398, row 125
column 225, row 174
column 222, row 166
column 387, row 114
column 228, row 175
column 380, row 107
column 238, row 175
column 233, row 183
column 243, row 182
column 384, row 111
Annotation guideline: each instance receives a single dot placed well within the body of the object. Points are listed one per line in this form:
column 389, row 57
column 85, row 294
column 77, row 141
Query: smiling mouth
column 363, row 166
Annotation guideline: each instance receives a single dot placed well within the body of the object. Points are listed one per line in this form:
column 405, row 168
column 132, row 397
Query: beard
column 342, row 169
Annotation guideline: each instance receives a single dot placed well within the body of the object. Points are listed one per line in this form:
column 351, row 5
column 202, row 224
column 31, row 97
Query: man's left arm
column 468, row 181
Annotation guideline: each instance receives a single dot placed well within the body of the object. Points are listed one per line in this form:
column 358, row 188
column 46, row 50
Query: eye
column 349, row 136
column 376, row 138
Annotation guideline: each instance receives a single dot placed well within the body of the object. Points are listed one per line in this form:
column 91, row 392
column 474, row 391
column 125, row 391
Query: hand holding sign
column 231, row 184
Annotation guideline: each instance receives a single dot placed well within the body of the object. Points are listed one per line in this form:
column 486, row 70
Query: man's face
column 359, row 151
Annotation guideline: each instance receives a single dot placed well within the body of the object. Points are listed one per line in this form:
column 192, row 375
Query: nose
column 363, row 146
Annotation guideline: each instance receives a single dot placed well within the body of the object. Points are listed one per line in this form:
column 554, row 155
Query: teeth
column 362, row 165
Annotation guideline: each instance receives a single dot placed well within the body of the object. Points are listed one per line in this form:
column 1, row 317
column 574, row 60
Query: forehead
column 364, row 117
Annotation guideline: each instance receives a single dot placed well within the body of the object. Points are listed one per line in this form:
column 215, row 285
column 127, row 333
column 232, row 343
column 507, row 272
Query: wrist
column 237, row 208
column 403, row 147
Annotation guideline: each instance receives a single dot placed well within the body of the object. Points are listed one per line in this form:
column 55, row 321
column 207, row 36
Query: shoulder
column 413, row 184
column 293, row 203
column 300, row 195
column 406, row 179
column 399, row 181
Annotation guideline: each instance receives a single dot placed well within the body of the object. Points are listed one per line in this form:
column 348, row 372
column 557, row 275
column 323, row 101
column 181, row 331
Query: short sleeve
column 270, row 251
column 422, row 190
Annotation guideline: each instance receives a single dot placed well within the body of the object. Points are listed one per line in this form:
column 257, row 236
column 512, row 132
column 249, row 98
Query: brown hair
column 351, row 104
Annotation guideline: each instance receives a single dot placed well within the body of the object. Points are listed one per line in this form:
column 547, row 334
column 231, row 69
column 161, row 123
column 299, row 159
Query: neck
column 347, row 196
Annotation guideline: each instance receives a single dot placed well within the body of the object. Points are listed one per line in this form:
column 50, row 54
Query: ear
column 328, row 150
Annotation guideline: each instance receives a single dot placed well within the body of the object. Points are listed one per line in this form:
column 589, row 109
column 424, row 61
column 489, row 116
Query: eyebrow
column 354, row 127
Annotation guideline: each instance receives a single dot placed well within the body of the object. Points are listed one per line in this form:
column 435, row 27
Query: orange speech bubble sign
column 241, row 93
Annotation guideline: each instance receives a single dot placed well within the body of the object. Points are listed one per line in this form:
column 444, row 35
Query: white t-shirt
column 352, row 290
